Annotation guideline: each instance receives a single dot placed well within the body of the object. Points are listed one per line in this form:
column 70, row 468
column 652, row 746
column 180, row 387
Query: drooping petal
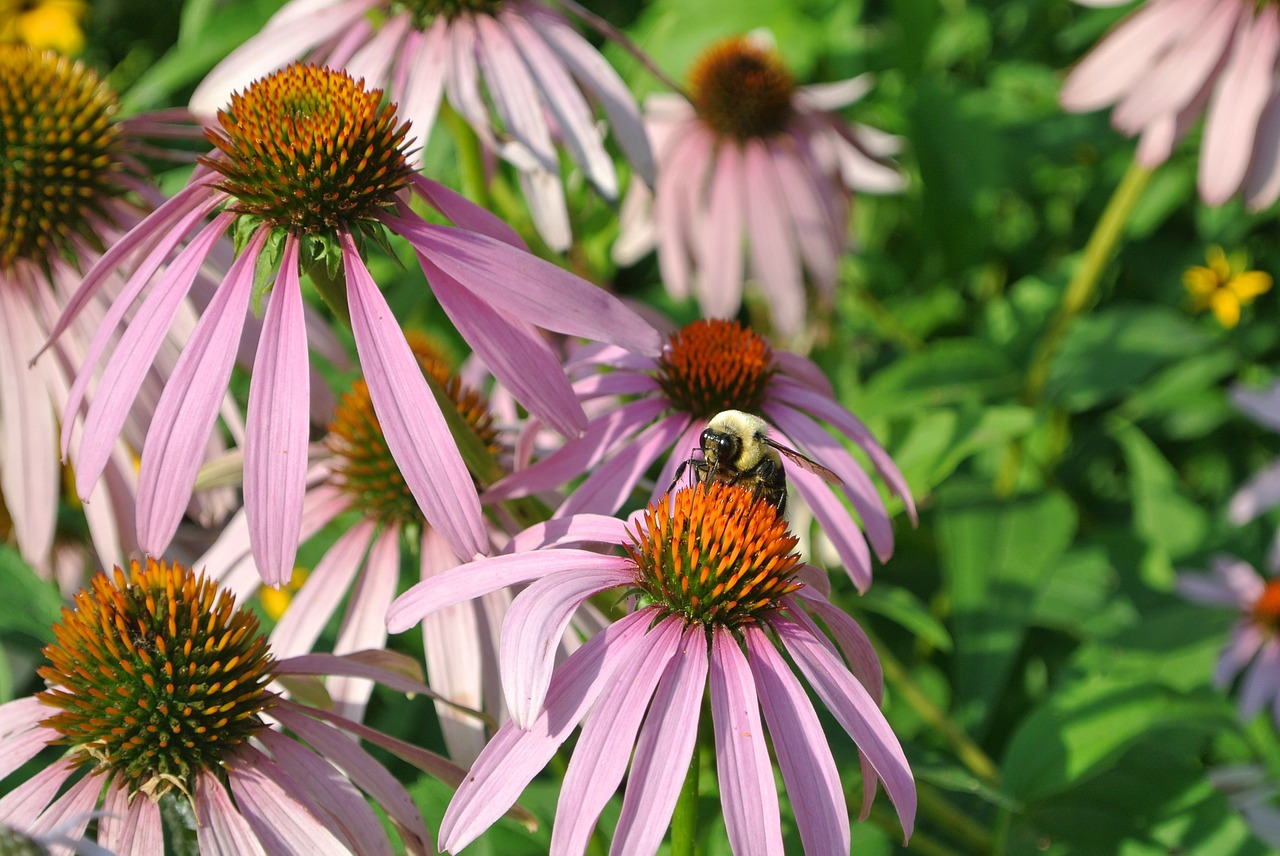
column 610, row 484
column 484, row 575
column 719, row 251
column 364, row 625
column 514, row 756
column 326, row 586
column 130, row 827
column 424, row 85
column 533, row 627
column 664, row 748
column 464, row 213
column 605, row 744
column 21, row 806
column 774, row 259
column 1261, row 682
column 188, row 408
column 275, row 453
column 283, row 824
column 411, row 421
column 747, row 794
column 71, row 811
column 559, row 532
column 220, row 828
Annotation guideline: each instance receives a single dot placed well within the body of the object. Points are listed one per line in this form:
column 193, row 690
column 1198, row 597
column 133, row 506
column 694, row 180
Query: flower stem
column 475, row 183
column 1098, row 251
column 684, row 821
column 921, row 842
column 969, row 753
column 331, row 287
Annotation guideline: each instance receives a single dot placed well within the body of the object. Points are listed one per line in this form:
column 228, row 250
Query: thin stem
column 332, row 287
column 969, row 753
column 1080, row 291
column 684, row 821
column 475, row 181
column 612, row 33
column 920, row 842
column 957, row 823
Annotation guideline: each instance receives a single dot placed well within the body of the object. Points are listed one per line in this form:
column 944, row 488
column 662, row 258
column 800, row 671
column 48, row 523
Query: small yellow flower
column 1224, row 285
column 276, row 601
column 44, row 24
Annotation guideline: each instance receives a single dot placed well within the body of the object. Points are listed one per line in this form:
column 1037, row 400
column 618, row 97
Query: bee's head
column 720, row 446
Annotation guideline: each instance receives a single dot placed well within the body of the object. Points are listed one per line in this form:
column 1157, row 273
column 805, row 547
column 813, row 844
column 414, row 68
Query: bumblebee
column 736, row 449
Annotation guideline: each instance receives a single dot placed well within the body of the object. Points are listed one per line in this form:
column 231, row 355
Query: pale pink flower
column 301, row 210
column 72, row 184
column 1171, row 61
column 1253, row 652
column 715, row 616
column 1262, row 491
column 1251, row 793
column 253, row 788
column 708, row 367
column 753, row 167
column 518, row 59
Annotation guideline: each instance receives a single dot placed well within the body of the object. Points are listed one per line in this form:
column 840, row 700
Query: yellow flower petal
column 1200, row 281
column 1217, row 259
column 1250, row 284
column 1226, row 308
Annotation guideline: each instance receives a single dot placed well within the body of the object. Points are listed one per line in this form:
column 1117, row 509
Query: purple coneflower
column 1262, row 492
column 1171, row 61
column 707, row 367
column 70, row 184
column 189, row 715
column 753, row 159
column 519, row 56
column 715, row 577
column 1254, row 647
column 309, row 168
column 357, row 475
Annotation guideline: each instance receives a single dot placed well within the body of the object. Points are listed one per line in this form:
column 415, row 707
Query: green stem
column 921, row 842
column 332, row 287
column 684, row 821
column 957, row 823
column 475, row 182
column 969, row 753
column 1099, row 250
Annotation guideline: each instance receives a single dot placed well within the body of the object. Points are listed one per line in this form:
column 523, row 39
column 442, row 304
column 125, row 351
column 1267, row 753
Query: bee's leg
column 679, row 472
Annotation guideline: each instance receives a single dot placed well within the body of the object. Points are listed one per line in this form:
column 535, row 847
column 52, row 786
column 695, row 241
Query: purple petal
column 412, row 423
column 464, row 213
column 534, row 626
column 484, row 575
column 677, row 205
column 188, row 408
column 720, row 250
column 130, row 827
column 837, row 525
column 856, row 712
column 424, row 85
column 608, row 736
column 514, row 350
column 326, row 586
column 1242, row 647
column 808, row 770
column 1259, row 493
column 364, row 625
column 71, row 811
column 514, row 96
column 747, row 793
column 819, row 237
column 275, row 453
column 528, row 287
column 664, row 749
column 1261, row 681
column 514, row 756
column 610, row 484
column 283, row 824
column 220, row 828
column 774, row 259
column 21, row 806
column 853, row 641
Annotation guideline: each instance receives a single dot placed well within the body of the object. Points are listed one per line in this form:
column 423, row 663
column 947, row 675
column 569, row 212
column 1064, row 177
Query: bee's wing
column 805, row 463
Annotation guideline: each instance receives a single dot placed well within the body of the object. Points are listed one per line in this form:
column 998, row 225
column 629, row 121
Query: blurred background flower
column 44, row 24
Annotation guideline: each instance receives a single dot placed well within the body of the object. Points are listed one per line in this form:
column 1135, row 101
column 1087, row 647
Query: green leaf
column 904, row 608
column 948, row 372
column 996, row 555
column 30, row 605
column 1162, row 515
column 264, row 270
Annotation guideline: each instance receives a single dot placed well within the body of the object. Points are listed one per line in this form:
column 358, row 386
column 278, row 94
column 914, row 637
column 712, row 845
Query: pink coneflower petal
column 463, row 213
column 484, row 575
column 611, row 483
column 462, row 84
column 1243, row 646
column 1256, row 496
column 411, row 421
column 372, row 60
column 30, row 481
column 1180, row 74
column 820, row 247
column 1262, row 182
column 281, row 823
column 70, row 812
column 748, row 797
column 1123, row 56
column 514, row 350
column 856, row 712
column 21, row 806
column 773, row 252
column 1231, row 124
column 424, row 84
column 514, row 96
column 220, row 828
column 364, row 770
column 532, row 630
column 720, row 250
column 528, row 287
column 565, row 102
column 483, row 797
column 1261, row 682
column 605, row 744
column 809, row 771
column 364, row 626
column 844, row 534
column 579, row 529
column 188, row 408
column 275, row 450
column 132, row 357
column 130, row 827
column 677, row 205
column 302, row 624
column 597, row 77
column 664, row 748
column 851, row 638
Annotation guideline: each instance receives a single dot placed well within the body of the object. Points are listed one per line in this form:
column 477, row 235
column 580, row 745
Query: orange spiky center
column 310, row 150
column 363, row 464
column 714, row 554
column 715, row 365
column 1266, row 609
column 58, row 164
column 741, row 90
column 157, row 675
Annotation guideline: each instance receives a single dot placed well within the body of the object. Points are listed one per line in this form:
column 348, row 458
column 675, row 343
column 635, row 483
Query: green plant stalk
column 974, row 837
column 969, row 753
column 475, row 183
column 921, row 842
column 1098, row 251
column 332, row 289
column 684, row 820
